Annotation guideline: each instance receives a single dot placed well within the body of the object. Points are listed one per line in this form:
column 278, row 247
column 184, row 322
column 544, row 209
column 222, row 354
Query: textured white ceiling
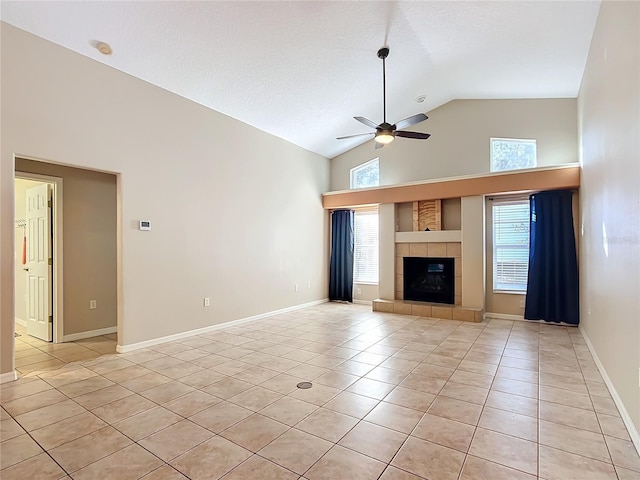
column 303, row 70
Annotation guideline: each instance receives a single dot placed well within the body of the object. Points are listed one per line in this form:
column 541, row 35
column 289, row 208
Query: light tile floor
column 394, row 398
column 33, row 354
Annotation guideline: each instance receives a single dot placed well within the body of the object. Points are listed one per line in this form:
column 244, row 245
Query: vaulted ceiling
column 303, row 70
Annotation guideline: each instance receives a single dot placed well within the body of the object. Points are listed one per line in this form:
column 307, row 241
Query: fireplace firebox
column 429, row 279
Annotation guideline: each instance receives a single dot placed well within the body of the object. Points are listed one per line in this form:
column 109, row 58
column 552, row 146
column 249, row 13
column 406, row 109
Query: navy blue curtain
column 552, row 288
column 341, row 267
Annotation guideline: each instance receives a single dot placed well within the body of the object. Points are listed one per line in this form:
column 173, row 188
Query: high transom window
column 366, row 175
column 512, row 154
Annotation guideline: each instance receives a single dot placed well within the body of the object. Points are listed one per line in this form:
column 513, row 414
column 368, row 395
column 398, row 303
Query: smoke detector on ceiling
column 104, row 48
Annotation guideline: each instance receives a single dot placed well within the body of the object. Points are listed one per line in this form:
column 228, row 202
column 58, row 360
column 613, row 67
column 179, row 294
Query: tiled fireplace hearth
column 434, row 310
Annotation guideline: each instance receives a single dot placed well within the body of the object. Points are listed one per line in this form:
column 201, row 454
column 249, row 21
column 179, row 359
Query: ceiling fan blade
column 356, row 135
column 418, row 135
column 366, row 121
column 407, row 122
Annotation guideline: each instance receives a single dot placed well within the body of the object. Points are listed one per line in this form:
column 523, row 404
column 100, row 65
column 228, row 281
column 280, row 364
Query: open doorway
column 88, row 273
column 38, row 290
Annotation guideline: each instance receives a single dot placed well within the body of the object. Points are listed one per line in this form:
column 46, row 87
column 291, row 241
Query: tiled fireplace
column 423, row 309
column 425, row 250
column 465, row 246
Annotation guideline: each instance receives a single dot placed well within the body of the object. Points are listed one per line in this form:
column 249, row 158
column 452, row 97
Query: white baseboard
column 92, row 333
column 502, row 316
column 200, row 331
column 626, row 418
column 8, row 377
column 363, row 302
column 520, row 318
column 21, row 322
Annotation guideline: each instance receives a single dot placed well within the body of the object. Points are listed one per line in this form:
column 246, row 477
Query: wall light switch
column 93, row 304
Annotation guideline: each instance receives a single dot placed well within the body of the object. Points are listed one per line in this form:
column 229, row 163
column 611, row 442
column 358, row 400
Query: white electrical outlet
column 93, row 304
column 295, row 287
column 206, row 302
column 359, row 291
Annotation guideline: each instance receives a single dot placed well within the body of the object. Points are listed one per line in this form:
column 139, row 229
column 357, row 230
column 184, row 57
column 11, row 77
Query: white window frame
column 496, row 203
column 354, row 170
column 374, row 277
column 527, row 141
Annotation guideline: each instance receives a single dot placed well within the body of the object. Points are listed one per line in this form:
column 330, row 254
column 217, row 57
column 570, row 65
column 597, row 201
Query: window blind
column 510, row 244
column 365, row 264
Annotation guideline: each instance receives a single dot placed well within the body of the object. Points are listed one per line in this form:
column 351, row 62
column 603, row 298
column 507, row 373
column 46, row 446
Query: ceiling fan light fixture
column 384, row 137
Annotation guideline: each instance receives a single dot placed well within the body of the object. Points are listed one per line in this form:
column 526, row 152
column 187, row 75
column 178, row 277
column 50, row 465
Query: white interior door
column 38, row 216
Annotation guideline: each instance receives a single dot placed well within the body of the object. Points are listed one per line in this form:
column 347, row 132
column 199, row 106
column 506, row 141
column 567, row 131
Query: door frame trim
column 58, row 271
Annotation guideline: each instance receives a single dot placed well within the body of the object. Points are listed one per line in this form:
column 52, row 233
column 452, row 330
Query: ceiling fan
column 385, row 132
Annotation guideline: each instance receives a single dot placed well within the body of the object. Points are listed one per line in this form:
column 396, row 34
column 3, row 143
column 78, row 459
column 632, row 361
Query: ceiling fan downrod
column 383, row 53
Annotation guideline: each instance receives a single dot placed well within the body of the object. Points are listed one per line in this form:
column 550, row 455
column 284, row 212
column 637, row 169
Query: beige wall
column 459, row 144
column 609, row 119
column 387, row 251
column 89, row 242
column 451, row 214
column 404, row 217
column 473, row 260
column 236, row 213
column 368, row 292
column 20, row 284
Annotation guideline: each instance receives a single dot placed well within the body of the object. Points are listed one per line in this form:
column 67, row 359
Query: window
column 512, row 154
column 510, row 244
column 366, row 175
column 365, row 250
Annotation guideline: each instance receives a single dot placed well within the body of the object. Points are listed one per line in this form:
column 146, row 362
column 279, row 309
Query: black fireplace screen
column 429, row 279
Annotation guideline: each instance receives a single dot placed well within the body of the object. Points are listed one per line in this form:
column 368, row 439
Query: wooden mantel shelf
column 520, row 181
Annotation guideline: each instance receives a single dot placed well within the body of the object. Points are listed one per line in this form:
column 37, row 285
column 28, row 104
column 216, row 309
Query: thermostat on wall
column 145, row 225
